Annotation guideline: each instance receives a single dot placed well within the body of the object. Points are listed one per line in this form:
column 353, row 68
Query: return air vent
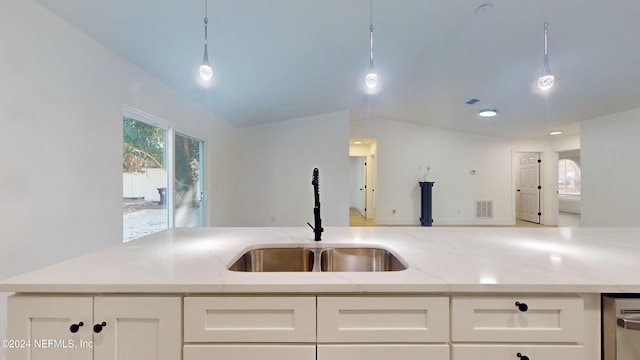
column 484, row 209
column 472, row 101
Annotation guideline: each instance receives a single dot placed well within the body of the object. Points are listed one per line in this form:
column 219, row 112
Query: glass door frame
column 202, row 176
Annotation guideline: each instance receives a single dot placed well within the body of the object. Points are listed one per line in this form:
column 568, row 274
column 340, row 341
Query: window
column 568, row 179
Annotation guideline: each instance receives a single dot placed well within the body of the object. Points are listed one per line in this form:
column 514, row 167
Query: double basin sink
column 299, row 258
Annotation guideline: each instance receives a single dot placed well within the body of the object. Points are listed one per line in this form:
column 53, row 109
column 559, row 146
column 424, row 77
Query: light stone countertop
column 440, row 260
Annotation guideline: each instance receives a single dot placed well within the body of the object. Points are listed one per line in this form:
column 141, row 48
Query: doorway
column 362, row 180
column 528, row 188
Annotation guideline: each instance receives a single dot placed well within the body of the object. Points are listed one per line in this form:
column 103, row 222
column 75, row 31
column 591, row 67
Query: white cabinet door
column 257, row 319
column 138, row 328
column 40, row 328
column 510, row 352
column 383, row 319
column 383, row 352
column 247, row 352
column 517, row 319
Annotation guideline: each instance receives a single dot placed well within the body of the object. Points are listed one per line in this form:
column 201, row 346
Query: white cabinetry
column 305, row 327
column 78, row 328
column 246, row 327
column 517, row 327
column 383, row 327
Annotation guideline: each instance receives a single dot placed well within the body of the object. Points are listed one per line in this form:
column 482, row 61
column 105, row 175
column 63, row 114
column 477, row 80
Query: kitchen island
column 466, row 293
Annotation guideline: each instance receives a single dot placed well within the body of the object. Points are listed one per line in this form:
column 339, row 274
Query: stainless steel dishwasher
column 621, row 327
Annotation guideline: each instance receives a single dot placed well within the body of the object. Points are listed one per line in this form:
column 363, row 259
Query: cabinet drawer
column 383, row 352
column 510, row 352
column 540, row 319
column 250, row 319
column 237, row 352
column 384, row 319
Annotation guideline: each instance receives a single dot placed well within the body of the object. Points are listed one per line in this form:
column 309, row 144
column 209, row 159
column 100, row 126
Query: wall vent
column 484, row 209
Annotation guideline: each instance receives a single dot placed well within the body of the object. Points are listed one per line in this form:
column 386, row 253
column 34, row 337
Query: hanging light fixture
column 545, row 81
column 372, row 78
column 205, row 69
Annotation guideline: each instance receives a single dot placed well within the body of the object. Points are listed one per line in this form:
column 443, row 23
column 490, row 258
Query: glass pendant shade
column 546, row 79
column 205, row 70
column 371, row 80
column 545, row 82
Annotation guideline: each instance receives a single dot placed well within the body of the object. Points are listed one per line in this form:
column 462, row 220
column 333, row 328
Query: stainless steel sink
column 359, row 259
column 275, row 259
column 313, row 259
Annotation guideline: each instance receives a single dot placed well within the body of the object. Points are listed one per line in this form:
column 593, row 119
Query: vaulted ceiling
column 281, row 59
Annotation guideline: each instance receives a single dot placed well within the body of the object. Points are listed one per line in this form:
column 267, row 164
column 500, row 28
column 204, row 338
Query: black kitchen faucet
column 317, row 229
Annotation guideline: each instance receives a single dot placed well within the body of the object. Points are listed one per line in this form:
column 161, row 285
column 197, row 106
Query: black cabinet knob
column 522, row 357
column 522, row 306
column 75, row 327
column 98, row 327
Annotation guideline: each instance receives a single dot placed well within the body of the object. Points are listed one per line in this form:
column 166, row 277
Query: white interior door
column 529, row 187
column 371, row 176
column 357, row 183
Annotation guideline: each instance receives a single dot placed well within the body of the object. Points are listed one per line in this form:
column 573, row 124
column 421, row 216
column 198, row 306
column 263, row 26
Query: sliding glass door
column 188, row 204
column 144, row 179
column 162, row 176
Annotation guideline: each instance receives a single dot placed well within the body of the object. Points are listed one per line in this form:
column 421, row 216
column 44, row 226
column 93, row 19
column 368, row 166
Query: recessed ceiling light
column 357, row 142
column 555, row 133
column 488, row 112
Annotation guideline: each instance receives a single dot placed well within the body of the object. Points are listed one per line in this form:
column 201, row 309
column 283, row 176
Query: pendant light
column 372, row 78
column 545, row 81
column 205, row 69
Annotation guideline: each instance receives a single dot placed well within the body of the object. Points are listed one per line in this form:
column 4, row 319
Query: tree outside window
column 568, row 179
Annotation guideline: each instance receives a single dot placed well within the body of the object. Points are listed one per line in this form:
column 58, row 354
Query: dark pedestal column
column 426, row 218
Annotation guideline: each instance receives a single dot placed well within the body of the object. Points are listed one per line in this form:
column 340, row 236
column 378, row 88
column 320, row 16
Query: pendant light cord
column 206, row 22
column 546, row 30
column 371, row 33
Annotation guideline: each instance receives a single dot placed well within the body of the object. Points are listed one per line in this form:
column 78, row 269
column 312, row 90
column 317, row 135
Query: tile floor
column 564, row 220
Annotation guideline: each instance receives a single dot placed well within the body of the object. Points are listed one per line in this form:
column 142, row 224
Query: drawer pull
column 522, row 307
column 75, row 327
column 97, row 328
column 522, row 357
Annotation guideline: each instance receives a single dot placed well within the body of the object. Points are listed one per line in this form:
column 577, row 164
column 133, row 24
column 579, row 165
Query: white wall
column 404, row 151
column 569, row 205
column 61, row 103
column 609, row 163
column 274, row 170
